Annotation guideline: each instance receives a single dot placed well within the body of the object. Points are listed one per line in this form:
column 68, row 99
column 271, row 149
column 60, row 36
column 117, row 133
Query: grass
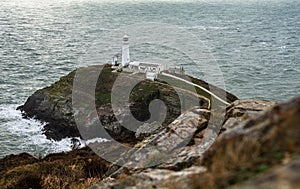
column 76, row 169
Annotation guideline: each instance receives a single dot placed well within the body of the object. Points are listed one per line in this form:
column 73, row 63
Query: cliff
column 256, row 143
column 257, row 148
column 53, row 104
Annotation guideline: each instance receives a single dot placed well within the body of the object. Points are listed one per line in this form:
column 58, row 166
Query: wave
column 25, row 135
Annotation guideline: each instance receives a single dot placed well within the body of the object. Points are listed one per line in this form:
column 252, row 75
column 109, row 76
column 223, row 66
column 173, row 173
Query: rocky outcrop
column 53, row 104
column 154, row 178
column 168, row 151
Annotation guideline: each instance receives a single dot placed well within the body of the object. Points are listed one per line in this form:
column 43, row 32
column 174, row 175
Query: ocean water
column 255, row 44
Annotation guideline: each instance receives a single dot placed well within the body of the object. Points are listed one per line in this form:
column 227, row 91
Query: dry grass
column 76, row 169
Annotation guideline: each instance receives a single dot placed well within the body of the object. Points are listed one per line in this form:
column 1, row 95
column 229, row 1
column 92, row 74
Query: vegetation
column 76, row 169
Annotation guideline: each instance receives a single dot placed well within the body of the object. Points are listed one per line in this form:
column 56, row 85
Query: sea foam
column 26, row 135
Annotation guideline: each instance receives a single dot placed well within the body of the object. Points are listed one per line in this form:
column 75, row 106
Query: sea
column 254, row 44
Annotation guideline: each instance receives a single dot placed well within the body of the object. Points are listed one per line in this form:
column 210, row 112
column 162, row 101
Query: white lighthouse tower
column 125, row 51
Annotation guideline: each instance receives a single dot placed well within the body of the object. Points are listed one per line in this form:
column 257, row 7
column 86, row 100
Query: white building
column 125, row 51
column 175, row 70
column 145, row 67
column 151, row 75
column 150, row 69
column 114, row 60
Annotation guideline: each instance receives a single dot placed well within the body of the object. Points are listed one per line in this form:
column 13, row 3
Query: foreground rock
column 270, row 138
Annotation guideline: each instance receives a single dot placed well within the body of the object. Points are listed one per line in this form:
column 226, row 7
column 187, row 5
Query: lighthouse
column 125, row 51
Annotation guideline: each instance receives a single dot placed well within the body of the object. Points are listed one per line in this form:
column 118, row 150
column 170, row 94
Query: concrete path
column 195, row 85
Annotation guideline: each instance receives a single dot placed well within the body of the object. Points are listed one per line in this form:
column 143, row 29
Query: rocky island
column 256, row 143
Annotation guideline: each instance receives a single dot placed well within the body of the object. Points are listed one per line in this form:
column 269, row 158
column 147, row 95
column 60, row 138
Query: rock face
column 169, row 148
column 253, row 146
column 241, row 110
column 269, row 137
column 53, row 104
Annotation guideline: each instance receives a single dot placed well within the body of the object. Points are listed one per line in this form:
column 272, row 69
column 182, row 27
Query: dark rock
column 52, row 105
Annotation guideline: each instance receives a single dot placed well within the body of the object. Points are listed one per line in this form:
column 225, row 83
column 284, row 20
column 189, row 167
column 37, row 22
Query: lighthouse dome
column 125, row 38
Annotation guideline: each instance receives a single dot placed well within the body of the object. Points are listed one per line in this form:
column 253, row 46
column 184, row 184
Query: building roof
column 150, row 74
column 134, row 63
column 147, row 64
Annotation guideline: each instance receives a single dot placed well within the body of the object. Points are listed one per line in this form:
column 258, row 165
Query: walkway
column 195, row 85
